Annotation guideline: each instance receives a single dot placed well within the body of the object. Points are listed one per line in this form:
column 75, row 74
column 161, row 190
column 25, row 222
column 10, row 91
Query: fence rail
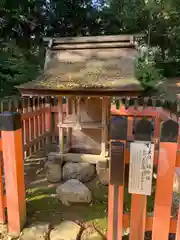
column 40, row 119
column 36, row 116
column 166, row 159
column 40, row 116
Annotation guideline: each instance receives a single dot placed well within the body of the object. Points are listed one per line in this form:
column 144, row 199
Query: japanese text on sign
column 141, row 167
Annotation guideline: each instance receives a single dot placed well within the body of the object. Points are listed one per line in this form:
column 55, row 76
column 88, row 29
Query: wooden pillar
column 48, row 126
column 24, row 110
column 116, row 185
column 78, row 117
column 29, row 109
column 165, row 176
column 61, row 132
column 12, row 147
column 69, row 130
column 104, row 127
column 34, row 124
column 39, row 123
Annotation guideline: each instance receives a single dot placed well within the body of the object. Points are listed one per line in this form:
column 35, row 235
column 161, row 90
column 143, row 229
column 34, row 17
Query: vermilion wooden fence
column 166, row 158
column 12, row 185
column 38, row 116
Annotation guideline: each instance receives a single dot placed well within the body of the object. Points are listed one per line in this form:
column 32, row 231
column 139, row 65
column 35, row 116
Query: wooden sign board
column 117, row 163
column 141, row 167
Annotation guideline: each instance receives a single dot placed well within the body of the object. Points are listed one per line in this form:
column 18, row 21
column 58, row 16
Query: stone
column 102, row 172
column 83, row 172
column 175, row 204
column 53, row 156
column 38, row 231
column 67, row 230
column 73, row 191
column 53, row 170
column 91, row 234
column 176, row 185
column 3, row 232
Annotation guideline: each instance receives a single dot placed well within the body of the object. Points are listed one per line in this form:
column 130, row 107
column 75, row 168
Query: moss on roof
column 77, row 68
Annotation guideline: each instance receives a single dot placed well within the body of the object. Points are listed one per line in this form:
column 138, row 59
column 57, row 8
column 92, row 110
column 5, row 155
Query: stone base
column 79, row 157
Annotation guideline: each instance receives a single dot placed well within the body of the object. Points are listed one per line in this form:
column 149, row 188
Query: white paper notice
column 141, row 167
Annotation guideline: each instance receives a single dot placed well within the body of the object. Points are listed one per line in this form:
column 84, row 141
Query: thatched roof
column 93, row 64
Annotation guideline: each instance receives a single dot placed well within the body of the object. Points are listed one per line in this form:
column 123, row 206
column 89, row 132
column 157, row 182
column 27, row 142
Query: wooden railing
column 40, row 119
column 166, row 159
column 37, row 131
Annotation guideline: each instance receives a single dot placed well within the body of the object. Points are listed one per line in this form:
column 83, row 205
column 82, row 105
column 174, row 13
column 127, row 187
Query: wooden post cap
column 10, row 121
column 169, row 131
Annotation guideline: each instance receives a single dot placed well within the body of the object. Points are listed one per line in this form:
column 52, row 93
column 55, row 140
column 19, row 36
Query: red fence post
column 12, row 147
column 165, row 176
column 116, row 182
column 2, row 203
column 116, row 191
column 143, row 131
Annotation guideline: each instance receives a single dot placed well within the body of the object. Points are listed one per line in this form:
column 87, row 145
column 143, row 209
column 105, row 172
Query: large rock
column 38, row 231
column 91, row 234
column 102, row 172
column 176, row 185
column 53, row 170
column 73, row 191
column 67, row 230
column 83, row 172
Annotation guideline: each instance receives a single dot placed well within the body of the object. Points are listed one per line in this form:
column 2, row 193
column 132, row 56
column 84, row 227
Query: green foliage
column 131, row 15
column 22, row 20
column 16, row 67
column 25, row 22
column 146, row 70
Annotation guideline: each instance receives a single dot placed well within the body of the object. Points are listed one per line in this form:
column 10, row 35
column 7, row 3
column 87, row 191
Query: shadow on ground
column 42, row 205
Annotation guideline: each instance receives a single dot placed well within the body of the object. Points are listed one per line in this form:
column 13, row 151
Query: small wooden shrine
column 88, row 71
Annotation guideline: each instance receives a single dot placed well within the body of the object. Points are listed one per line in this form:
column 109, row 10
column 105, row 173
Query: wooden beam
column 35, row 141
column 83, row 125
column 35, row 113
column 149, row 223
column 133, row 90
column 102, row 45
column 92, row 39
